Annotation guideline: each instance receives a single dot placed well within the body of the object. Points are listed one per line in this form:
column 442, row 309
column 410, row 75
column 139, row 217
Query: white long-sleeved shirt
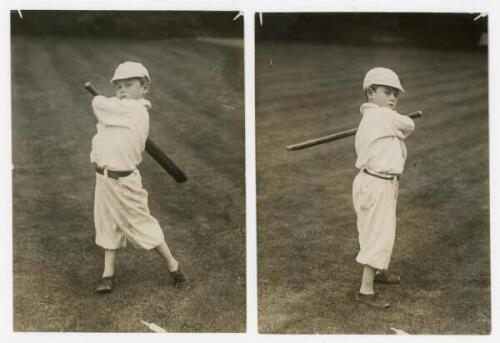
column 122, row 131
column 379, row 139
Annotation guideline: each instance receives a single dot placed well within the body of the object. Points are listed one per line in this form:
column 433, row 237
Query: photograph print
column 373, row 173
column 128, row 171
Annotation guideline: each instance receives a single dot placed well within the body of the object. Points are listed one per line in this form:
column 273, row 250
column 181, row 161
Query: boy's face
column 131, row 88
column 383, row 96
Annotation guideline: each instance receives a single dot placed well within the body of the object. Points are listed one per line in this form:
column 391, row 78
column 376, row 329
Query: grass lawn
column 197, row 118
column 307, row 237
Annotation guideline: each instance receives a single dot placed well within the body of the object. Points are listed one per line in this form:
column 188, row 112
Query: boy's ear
column 145, row 87
column 369, row 92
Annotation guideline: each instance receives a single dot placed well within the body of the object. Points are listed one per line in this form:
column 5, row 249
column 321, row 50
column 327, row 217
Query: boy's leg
column 109, row 263
column 165, row 252
column 367, row 280
column 174, row 269
column 105, row 284
column 366, row 294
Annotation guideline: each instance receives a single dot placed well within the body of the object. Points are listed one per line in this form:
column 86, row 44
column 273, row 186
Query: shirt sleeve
column 116, row 112
column 398, row 124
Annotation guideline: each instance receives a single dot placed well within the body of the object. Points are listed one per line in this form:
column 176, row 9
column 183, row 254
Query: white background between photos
column 249, row 8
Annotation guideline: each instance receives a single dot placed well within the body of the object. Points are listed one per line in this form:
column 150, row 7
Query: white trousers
column 121, row 213
column 375, row 201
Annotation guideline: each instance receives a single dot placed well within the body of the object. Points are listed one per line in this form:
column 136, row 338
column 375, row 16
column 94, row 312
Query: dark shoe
column 105, row 285
column 387, row 277
column 371, row 300
column 180, row 280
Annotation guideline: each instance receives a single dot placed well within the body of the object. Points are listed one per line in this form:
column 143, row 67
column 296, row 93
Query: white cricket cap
column 127, row 70
column 382, row 76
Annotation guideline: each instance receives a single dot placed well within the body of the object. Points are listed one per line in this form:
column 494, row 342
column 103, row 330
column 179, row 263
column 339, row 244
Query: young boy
column 121, row 204
column 381, row 155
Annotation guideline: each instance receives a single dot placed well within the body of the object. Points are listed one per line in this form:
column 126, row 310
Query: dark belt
column 114, row 174
column 380, row 176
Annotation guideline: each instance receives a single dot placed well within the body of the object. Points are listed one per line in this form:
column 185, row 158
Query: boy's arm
column 400, row 125
column 115, row 112
column 404, row 124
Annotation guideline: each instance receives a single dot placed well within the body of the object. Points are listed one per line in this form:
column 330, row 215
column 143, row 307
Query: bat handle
column 416, row 114
column 90, row 87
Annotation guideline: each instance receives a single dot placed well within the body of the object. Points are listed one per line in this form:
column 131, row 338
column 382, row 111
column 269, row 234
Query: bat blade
column 321, row 140
column 153, row 150
column 167, row 164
